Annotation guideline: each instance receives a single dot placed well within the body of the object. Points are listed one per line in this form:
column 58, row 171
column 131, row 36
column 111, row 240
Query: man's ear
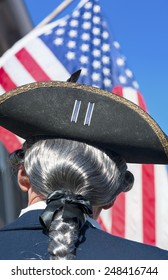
column 23, row 180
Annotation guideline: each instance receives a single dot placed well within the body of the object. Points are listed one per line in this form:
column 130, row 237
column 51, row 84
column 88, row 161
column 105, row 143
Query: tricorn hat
column 86, row 114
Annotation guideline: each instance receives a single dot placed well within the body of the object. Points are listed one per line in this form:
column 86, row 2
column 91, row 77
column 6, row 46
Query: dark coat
column 24, row 239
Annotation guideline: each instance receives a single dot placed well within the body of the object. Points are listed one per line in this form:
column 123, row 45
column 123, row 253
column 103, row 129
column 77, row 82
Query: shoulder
column 26, row 221
column 23, row 239
column 97, row 244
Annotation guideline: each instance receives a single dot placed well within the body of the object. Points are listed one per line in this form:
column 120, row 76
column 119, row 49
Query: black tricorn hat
column 86, row 114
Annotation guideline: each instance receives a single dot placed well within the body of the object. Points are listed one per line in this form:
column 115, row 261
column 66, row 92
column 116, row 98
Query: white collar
column 34, row 206
column 42, row 205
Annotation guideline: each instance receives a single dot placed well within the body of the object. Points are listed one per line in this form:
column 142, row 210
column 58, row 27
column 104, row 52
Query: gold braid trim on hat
column 155, row 127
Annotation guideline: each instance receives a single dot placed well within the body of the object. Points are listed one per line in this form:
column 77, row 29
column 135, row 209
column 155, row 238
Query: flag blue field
column 141, row 28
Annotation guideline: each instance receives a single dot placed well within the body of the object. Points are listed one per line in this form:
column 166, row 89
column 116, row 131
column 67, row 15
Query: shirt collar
column 34, row 206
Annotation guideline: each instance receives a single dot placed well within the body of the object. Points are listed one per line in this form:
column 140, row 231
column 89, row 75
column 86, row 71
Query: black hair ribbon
column 74, row 206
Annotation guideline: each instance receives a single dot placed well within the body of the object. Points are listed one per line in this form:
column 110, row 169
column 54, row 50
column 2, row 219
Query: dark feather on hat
column 74, row 77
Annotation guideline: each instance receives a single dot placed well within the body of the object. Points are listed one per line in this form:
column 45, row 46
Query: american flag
column 83, row 40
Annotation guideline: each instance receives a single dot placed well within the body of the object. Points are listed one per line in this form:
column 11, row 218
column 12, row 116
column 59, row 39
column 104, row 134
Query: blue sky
column 141, row 28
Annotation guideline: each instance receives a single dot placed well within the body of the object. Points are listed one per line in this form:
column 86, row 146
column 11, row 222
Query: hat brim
column 86, row 114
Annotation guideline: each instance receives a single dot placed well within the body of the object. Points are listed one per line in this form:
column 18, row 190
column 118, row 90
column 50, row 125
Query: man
column 71, row 131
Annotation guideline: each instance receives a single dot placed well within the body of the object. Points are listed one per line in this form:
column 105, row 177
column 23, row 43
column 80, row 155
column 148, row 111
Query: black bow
column 74, row 207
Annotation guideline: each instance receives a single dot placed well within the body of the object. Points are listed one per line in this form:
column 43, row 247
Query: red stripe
column 148, row 200
column 118, row 216
column 118, row 210
column 6, row 81
column 118, row 90
column 9, row 140
column 32, row 66
column 148, row 192
column 141, row 101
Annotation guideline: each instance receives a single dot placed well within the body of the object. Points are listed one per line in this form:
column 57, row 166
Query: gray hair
column 61, row 164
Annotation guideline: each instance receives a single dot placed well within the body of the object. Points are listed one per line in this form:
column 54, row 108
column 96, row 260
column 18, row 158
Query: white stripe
column 21, row 140
column 161, row 190
column 133, row 215
column 89, row 113
column 75, row 111
column 17, row 72
column 130, row 94
column 26, row 39
column 47, row 60
column 1, row 90
column 106, row 216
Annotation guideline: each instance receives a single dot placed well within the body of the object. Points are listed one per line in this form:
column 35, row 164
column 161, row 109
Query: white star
column 96, row 53
column 86, row 25
column 87, row 15
column 135, row 84
column 105, row 59
column 104, row 24
column 96, row 64
column 70, row 55
column 122, row 79
column 74, row 23
column 76, row 13
column 105, row 34
column 96, row 31
column 58, row 41
column 105, row 47
column 96, row 9
column 60, row 31
column 129, row 73
column 116, row 44
column 84, row 72
column 95, row 77
column 84, row 59
column 106, row 71
column 107, row 82
column 73, row 33
column 88, row 5
column 85, row 37
column 71, row 44
column 120, row 61
column 85, row 47
column 96, row 20
column 96, row 42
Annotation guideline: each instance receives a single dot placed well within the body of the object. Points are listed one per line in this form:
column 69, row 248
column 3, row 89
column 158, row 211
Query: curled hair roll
column 60, row 164
column 16, row 159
